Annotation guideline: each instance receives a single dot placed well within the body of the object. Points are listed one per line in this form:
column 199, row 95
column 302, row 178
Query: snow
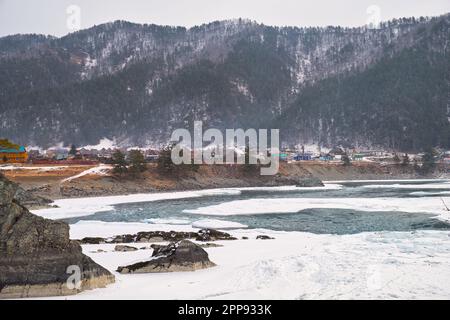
column 37, row 168
column 173, row 221
column 424, row 193
column 57, row 147
column 104, row 143
column 217, row 224
column 200, row 224
column 102, row 229
column 409, row 186
column 328, row 186
column 381, row 265
column 80, row 207
column 389, row 181
column 430, row 205
column 101, row 169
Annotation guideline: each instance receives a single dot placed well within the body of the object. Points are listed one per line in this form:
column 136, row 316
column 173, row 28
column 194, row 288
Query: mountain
column 385, row 87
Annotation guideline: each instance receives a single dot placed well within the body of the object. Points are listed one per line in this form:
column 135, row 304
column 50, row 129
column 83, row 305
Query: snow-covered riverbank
column 295, row 265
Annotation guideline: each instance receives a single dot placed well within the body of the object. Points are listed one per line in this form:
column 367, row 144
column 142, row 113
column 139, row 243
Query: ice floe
column 217, row 224
column 431, row 205
column 80, row 207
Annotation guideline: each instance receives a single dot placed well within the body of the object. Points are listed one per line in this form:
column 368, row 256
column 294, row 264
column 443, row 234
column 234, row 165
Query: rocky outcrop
column 310, row 182
column 175, row 257
column 213, row 235
column 161, row 236
column 37, row 258
column 122, row 248
column 30, row 200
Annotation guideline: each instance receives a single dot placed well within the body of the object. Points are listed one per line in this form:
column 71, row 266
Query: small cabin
column 326, row 158
column 303, row 157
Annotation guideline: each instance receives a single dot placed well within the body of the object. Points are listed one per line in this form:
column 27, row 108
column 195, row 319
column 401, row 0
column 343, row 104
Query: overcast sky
column 52, row 17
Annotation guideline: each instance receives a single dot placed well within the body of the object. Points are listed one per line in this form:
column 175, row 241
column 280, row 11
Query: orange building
column 11, row 153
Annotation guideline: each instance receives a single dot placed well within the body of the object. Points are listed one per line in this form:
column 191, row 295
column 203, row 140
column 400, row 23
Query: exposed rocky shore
column 58, row 184
column 36, row 253
column 204, row 177
column 160, row 236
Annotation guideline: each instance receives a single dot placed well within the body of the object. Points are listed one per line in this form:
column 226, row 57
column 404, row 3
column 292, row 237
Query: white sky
column 50, row 16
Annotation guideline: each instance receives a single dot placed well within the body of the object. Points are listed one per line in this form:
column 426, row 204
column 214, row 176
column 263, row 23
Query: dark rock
column 161, row 236
column 126, row 238
column 264, row 237
column 27, row 199
column 310, row 182
column 156, row 247
column 122, row 248
column 91, row 240
column 244, row 238
column 213, row 235
column 175, row 257
column 35, row 253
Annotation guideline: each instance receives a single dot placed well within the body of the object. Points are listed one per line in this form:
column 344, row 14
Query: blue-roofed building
column 303, row 157
column 12, row 153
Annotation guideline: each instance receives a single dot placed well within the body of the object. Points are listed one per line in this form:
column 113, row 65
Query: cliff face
column 35, row 254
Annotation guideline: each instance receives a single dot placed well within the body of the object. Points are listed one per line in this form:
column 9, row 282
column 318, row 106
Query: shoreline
column 64, row 182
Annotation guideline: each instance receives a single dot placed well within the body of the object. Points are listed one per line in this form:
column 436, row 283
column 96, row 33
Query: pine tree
column 73, row 150
column 346, row 160
column 165, row 163
column 119, row 162
column 137, row 162
column 428, row 160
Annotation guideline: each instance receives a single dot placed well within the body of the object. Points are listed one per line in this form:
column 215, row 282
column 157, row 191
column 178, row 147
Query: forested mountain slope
column 384, row 87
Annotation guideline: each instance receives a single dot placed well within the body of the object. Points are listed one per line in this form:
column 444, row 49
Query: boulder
column 122, row 248
column 175, row 257
column 126, row 238
column 213, row 235
column 264, row 237
column 92, row 240
column 37, row 257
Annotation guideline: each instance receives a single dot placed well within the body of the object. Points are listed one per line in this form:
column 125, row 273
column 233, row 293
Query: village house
column 12, row 153
column 303, row 157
